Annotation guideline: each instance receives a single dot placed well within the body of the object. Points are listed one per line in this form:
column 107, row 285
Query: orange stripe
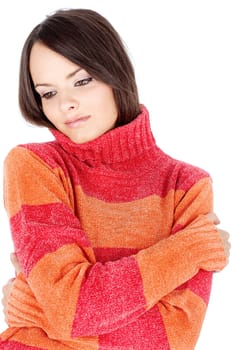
column 67, row 268
column 137, row 224
column 28, row 180
column 198, row 200
column 37, row 338
column 158, row 262
column 183, row 313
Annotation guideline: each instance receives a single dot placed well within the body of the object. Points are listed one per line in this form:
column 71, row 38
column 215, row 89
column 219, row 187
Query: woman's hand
column 223, row 234
column 15, row 263
column 6, row 293
column 225, row 241
column 7, row 288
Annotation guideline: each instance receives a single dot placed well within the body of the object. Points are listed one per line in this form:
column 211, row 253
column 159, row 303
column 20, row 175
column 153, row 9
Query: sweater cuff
column 175, row 260
column 23, row 309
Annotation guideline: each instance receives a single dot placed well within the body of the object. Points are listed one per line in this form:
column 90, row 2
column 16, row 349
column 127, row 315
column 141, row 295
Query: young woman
column 114, row 246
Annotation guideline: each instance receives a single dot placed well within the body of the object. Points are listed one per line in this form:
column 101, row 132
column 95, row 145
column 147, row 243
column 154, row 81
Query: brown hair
column 89, row 40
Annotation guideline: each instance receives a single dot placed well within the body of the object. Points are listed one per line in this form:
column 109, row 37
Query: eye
column 83, row 82
column 48, row 95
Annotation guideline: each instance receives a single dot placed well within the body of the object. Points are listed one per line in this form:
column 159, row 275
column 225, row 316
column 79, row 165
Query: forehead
column 45, row 63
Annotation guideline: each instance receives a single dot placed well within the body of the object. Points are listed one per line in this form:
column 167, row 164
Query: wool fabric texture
column 115, row 248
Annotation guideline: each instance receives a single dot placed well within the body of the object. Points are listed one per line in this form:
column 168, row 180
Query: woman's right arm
column 63, row 289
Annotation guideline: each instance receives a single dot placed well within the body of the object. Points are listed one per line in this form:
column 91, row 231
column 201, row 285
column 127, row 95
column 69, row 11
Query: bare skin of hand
column 224, row 235
column 6, row 293
column 7, row 288
column 15, row 263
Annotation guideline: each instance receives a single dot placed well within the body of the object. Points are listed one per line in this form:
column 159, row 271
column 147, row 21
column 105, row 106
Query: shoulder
column 189, row 175
column 47, row 153
column 182, row 174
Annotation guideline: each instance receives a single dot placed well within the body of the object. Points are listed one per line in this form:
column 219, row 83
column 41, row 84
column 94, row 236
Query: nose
column 68, row 103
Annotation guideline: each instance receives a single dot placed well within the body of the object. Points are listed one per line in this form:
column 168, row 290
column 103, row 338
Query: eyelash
column 82, row 82
column 48, row 95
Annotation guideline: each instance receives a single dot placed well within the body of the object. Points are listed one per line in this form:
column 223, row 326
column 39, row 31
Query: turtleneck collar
column 120, row 144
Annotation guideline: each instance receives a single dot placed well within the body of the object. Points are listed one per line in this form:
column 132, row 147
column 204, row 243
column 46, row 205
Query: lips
column 79, row 121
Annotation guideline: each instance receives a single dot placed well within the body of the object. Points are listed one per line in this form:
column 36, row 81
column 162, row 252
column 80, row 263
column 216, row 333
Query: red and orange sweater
column 113, row 241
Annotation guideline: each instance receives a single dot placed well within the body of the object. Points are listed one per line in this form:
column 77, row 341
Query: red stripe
column 200, row 284
column 162, row 175
column 112, row 254
column 38, row 230
column 51, row 153
column 146, row 333
column 111, row 297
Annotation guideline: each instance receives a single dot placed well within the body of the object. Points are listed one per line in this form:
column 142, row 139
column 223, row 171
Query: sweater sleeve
column 63, row 289
column 184, row 308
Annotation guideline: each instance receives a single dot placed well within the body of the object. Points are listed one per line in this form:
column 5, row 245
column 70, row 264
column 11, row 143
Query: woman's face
column 75, row 103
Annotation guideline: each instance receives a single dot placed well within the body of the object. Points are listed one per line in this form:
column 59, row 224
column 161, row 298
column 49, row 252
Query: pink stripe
column 200, row 284
column 51, row 153
column 38, row 230
column 163, row 175
column 110, row 297
column 146, row 333
column 111, row 254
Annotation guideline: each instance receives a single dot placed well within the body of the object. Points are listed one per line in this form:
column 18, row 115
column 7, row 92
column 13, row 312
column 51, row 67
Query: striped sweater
column 113, row 241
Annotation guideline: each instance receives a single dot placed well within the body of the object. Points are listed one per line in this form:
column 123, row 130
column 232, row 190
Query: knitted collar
column 120, row 144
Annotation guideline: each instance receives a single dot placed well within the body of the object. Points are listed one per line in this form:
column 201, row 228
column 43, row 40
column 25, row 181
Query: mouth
column 77, row 121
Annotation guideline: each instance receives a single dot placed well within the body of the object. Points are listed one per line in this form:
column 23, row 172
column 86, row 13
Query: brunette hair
column 87, row 39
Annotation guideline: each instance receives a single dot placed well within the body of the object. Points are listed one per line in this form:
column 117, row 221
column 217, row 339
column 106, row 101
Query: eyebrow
column 70, row 75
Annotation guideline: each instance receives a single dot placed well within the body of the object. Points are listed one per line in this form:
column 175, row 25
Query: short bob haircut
column 87, row 39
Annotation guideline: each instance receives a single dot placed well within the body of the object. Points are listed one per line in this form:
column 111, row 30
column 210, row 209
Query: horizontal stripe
column 56, row 281
column 35, row 182
column 112, row 254
column 38, row 230
column 36, row 339
column 145, row 333
column 189, row 205
column 80, row 345
column 177, row 259
column 159, row 176
column 110, row 297
column 200, row 284
column 137, row 224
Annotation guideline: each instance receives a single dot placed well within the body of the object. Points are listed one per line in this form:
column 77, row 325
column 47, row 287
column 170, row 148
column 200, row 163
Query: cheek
column 112, row 109
column 48, row 111
column 111, row 102
column 44, row 107
column 106, row 102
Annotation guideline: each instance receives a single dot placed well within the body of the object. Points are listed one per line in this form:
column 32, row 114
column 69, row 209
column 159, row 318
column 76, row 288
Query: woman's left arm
column 183, row 310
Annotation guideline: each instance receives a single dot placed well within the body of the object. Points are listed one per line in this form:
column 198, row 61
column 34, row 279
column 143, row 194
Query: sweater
column 115, row 248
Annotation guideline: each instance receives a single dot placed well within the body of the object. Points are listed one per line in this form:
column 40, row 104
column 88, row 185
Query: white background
column 183, row 58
